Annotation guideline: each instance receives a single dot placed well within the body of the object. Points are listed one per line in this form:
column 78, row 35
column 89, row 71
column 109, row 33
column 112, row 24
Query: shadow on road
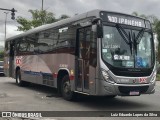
column 2, row 75
column 92, row 102
column 103, row 103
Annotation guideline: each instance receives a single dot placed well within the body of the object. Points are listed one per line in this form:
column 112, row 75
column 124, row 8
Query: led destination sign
column 124, row 19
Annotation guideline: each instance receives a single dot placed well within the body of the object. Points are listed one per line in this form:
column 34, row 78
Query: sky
column 70, row 7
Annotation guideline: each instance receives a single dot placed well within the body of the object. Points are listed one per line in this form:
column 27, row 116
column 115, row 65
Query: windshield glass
column 119, row 53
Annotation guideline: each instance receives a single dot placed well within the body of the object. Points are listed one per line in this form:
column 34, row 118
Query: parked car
column 1, row 68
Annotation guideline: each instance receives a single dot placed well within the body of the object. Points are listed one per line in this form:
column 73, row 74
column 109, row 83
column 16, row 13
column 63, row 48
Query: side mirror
column 97, row 27
column 99, row 31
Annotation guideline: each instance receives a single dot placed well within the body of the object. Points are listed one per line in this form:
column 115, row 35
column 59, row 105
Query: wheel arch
column 60, row 75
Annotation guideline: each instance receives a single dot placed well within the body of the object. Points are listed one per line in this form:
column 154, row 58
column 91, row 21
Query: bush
column 1, row 55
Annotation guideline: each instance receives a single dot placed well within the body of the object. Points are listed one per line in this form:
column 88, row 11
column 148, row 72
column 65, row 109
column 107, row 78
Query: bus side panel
column 49, row 65
column 28, row 67
column 41, row 68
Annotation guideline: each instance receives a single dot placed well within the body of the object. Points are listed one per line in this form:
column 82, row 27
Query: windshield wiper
column 127, row 38
column 139, row 36
column 135, row 41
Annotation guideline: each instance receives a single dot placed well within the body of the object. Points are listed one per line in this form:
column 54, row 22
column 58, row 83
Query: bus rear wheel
column 66, row 92
column 18, row 79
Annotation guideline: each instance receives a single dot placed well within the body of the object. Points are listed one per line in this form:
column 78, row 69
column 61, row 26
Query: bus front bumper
column 125, row 89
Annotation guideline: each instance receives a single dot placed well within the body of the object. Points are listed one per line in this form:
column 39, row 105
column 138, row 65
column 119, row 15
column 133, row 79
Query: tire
column 66, row 92
column 18, row 79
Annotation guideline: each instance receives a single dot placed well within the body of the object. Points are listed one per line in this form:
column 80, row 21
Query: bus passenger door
column 83, row 59
column 11, row 59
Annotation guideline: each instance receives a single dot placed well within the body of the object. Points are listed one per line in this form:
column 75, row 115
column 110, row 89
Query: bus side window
column 23, row 46
column 12, row 49
column 67, row 36
column 32, row 43
column 45, row 41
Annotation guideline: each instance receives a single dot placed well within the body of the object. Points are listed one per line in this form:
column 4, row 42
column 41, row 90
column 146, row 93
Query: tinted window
column 47, row 41
column 27, row 44
column 66, row 37
column 32, row 41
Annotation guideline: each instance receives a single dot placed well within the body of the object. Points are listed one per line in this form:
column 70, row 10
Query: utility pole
column 42, row 5
column 5, row 25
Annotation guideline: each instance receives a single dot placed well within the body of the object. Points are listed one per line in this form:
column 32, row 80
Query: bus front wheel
column 66, row 92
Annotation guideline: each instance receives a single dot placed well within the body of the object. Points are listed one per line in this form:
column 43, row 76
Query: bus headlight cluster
column 106, row 76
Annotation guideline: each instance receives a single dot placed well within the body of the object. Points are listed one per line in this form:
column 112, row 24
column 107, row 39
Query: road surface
column 41, row 98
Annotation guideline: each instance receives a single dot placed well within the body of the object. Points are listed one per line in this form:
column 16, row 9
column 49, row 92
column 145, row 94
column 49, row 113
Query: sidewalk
column 158, row 83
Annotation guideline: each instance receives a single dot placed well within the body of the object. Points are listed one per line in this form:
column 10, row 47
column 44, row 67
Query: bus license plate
column 132, row 93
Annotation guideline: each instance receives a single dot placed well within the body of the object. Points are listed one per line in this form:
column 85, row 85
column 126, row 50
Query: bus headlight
column 106, row 76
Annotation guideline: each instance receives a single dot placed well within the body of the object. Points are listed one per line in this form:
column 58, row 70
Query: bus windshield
column 133, row 50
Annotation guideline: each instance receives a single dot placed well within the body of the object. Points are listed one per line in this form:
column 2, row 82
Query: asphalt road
column 41, row 98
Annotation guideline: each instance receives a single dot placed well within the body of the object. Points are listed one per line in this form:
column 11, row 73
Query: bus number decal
column 63, row 66
column 18, row 60
column 142, row 80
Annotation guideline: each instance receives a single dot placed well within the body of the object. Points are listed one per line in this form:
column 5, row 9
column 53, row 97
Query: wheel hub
column 67, row 88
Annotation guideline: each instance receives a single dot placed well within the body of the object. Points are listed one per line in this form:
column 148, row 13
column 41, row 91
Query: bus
column 98, row 53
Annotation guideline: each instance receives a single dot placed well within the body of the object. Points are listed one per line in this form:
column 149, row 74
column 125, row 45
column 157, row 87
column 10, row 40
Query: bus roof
column 93, row 13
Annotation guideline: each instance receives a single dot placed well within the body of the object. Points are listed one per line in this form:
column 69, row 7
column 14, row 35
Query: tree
column 135, row 14
column 157, row 29
column 138, row 15
column 152, row 18
column 24, row 24
column 63, row 16
column 39, row 17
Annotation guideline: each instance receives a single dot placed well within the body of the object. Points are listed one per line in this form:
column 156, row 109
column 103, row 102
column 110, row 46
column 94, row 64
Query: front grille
column 131, row 73
column 126, row 89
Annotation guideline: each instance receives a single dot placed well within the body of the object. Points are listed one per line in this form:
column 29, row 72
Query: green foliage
column 158, row 77
column 39, row 17
column 25, row 24
column 135, row 14
column 1, row 55
column 152, row 18
column 157, row 29
column 63, row 17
